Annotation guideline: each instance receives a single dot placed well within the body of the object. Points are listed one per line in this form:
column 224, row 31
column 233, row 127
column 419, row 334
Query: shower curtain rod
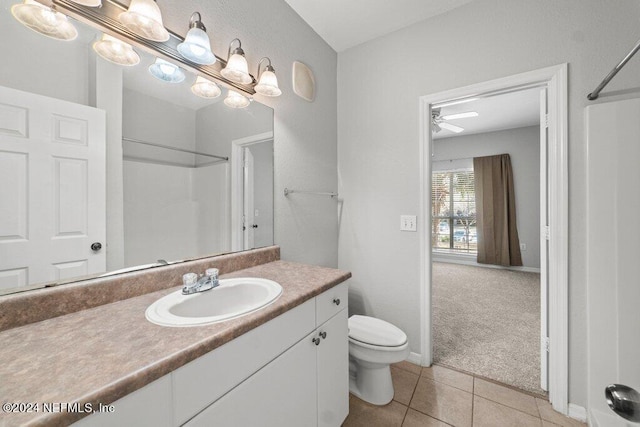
column 153, row 144
column 594, row 95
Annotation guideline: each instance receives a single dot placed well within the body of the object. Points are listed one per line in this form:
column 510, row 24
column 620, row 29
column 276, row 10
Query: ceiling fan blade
column 460, row 115
column 436, row 127
column 452, row 128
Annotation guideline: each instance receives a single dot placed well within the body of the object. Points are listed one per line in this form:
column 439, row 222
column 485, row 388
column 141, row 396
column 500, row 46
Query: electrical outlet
column 523, row 246
column 407, row 223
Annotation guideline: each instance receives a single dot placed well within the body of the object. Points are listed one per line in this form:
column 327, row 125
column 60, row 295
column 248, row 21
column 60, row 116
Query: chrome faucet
column 192, row 284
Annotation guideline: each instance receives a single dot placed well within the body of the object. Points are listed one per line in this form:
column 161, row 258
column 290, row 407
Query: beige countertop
column 101, row 354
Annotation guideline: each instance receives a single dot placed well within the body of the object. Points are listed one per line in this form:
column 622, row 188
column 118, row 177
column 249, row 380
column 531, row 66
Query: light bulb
column 44, row 20
column 205, row 88
column 196, row 46
column 145, row 19
column 116, row 51
column 166, row 71
column 235, row 100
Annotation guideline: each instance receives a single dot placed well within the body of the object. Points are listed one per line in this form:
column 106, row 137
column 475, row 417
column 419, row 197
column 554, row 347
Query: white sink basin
column 233, row 298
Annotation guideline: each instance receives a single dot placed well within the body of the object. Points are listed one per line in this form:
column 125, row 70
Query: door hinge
column 546, row 232
column 545, row 344
column 546, row 121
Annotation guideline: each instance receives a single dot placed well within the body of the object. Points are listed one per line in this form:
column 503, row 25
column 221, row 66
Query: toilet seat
column 375, row 333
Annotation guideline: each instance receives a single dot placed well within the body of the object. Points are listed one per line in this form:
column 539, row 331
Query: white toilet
column 373, row 345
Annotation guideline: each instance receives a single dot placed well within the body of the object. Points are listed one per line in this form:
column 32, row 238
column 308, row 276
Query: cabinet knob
column 323, row 335
column 336, row 301
column 316, row 341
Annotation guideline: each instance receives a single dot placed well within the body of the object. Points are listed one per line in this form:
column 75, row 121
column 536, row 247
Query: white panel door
column 52, row 170
column 613, row 233
column 248, row 214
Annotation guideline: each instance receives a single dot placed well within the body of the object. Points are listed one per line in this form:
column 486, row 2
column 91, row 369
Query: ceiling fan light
column 116, row 51
column 205, row 88
column 145, row 19
column 236, row 100
column 44, row 20
column 166, row 71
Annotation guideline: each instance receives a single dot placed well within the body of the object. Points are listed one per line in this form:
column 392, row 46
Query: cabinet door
column 333, row 371
column 283, row 393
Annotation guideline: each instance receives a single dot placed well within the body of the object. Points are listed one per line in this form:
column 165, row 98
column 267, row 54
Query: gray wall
column 379, row 84
column 305, row 146
column 523, row 146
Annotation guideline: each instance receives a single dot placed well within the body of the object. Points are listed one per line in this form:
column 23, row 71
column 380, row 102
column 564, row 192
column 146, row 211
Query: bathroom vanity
column 286, row 364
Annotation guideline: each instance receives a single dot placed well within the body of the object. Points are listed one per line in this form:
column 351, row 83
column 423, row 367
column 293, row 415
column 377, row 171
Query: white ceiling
column 505, row 111
column 344, row 24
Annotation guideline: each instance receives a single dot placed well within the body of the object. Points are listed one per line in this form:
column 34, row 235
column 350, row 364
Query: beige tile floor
column 440, row 397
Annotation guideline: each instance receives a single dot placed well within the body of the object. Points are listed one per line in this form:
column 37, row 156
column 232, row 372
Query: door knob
column 96, row 246
column 624, row 401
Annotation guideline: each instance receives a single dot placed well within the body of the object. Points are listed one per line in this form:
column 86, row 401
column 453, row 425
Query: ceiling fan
column 440, row 122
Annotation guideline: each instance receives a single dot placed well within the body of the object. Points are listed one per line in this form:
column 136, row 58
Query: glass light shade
column 268, row 84
column 90, row 3
column 237, row 70
column 44, row 20
column 205, row 88
column 235, row 100
column 166, row 71
column 144, row 19
column 196, row 47
column 116, row 51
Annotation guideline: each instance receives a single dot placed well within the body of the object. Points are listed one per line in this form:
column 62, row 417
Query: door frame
column 237, row 186
column 555, row 80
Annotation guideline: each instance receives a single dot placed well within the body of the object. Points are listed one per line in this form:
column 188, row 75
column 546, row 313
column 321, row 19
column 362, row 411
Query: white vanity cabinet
column 292, row 370
column 307, row 385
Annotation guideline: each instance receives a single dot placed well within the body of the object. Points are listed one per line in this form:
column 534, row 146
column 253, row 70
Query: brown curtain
column 498, row 241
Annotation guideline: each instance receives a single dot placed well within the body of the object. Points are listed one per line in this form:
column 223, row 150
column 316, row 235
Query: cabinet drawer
column 331, row 302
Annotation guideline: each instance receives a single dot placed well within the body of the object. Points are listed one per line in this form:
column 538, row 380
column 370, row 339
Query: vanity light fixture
column 237, row 69
column 90, row 3
column 205, row 88
column 267, row 80
column 196, row 46
column 44, row 20
column 116, row 51
column 235, row 100
column 144, row 19
column 166, row 71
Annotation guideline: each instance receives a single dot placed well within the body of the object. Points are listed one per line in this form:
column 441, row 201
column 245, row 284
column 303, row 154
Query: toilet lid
column 370, row 330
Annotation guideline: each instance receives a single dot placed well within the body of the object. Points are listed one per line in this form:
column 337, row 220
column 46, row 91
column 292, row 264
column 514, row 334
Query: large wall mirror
column 153, row 175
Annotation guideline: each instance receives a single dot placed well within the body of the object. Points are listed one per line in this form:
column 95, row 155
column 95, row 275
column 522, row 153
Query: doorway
column 554, row 80
column 252, row 192
column 487, row 316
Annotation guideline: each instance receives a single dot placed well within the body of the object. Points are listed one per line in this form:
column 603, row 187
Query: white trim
column 414, row 358
column 555, row 78
column 456, row 259
column 577, row 412
column 237, row 239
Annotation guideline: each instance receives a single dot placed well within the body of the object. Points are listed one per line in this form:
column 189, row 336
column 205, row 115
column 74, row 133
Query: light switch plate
column 407, row 223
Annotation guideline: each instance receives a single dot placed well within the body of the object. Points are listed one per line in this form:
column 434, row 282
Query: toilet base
column 371, row 383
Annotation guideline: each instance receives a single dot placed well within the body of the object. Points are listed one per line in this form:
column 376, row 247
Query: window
column 453, row 211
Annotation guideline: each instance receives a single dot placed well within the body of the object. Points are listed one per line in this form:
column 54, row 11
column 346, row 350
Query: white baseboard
column 467, row 260
column 577, row 412
column 415, row 358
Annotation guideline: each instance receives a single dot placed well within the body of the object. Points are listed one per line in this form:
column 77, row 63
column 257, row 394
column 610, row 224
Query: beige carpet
column 487, row 322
